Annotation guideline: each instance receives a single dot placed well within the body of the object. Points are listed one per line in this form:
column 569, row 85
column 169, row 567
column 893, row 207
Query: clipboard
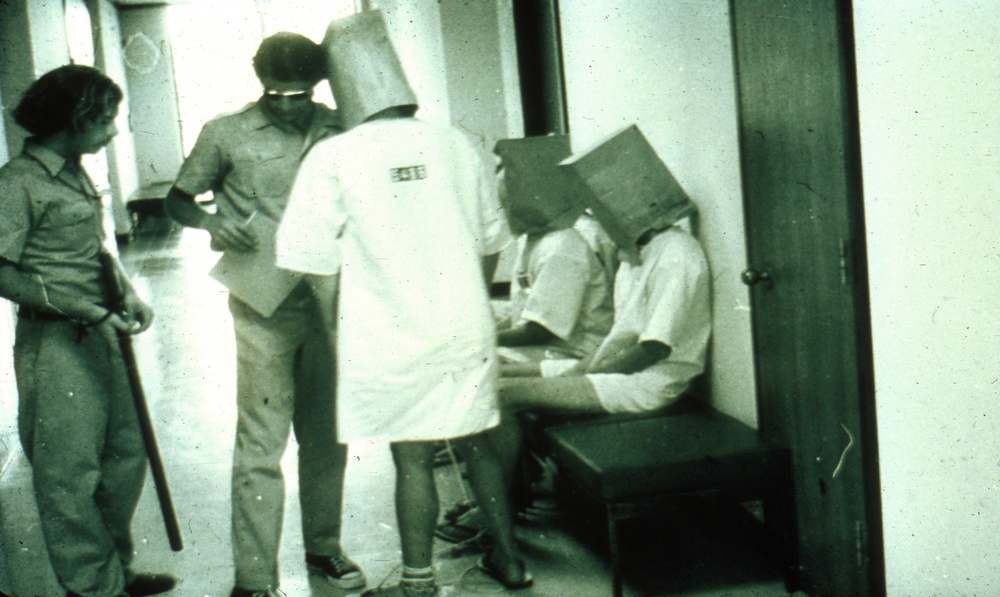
column 253, row 276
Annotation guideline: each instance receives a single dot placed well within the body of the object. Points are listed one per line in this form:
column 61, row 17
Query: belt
column 38, row 315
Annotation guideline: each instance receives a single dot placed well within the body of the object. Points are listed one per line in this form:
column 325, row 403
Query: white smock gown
column 406, row 209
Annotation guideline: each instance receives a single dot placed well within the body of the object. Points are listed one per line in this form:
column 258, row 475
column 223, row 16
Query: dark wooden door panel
column 801, row 180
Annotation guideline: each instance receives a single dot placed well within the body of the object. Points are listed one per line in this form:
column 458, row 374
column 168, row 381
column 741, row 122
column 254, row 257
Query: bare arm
column 635, row 358
column 31, row 291
column 528, row 333
column 138, row 314
column 227, row 233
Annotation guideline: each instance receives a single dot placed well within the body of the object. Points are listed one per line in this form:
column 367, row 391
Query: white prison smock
column 665, row 299
column 405, row 209
column 561, row 285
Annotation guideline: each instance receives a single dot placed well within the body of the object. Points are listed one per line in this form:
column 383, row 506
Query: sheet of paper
column 253, row 277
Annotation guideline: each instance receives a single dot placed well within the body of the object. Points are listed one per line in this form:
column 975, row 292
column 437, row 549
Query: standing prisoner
column 405, row 210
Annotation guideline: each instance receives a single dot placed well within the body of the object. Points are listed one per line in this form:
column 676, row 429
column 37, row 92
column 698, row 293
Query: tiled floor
column 187, row 363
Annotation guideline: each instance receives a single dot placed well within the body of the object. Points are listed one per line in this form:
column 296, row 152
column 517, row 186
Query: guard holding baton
column 77, row 420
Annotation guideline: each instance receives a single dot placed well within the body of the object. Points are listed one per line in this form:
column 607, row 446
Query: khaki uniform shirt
column 51, row 222
column 249, row 161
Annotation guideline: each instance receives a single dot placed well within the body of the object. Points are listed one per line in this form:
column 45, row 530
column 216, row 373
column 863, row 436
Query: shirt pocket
column 66, row 215
column 266, row 173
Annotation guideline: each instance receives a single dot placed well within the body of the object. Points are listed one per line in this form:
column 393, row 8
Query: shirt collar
column 324, row 122
column 52, row 161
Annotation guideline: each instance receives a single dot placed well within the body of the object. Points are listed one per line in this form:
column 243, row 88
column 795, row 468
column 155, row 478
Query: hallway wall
column 929, row 80
column 415, row 31
column 668, row 67
column 34, row 41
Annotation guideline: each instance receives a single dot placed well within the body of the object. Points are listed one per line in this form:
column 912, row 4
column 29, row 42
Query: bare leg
column 571, row 394
column 489, row 482
column 506, row 440
column 416, row 501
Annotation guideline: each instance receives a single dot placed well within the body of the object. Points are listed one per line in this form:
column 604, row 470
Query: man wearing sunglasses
column 248, row 160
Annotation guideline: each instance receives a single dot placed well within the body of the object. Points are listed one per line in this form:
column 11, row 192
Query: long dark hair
column 64, row 99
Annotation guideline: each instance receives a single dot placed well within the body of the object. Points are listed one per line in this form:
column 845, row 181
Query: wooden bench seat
column 631, row 465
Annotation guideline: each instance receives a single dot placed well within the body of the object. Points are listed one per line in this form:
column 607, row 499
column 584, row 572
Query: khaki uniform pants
column 78, row 426
column 284, row 377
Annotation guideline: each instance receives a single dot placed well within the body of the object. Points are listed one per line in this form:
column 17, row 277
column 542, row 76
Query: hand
column 138, row 314
column 229, row 234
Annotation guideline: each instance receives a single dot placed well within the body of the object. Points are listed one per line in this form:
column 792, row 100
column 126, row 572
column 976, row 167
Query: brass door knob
column 752, row 277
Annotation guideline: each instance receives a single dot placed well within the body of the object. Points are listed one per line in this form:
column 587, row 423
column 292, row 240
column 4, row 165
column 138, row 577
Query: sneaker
column 145, row 584
column 338, row 570
column 241, row 592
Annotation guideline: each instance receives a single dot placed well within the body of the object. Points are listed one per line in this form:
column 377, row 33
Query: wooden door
column 802, row 188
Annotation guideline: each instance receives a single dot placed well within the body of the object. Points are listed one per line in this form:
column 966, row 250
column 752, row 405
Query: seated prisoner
column 560, row 295
column 561, row 287
column 662, row 318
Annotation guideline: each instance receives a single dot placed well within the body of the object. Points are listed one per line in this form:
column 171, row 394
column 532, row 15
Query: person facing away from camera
column 407, row 212
column 248, row 160
column 76, row 416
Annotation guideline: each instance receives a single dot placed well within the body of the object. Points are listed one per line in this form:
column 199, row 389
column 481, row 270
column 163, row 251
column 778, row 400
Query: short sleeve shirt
column 600, row 243
column 51, row 222
column 560, row 284
column 664, row 299
column 404, row 210
column 249, row 161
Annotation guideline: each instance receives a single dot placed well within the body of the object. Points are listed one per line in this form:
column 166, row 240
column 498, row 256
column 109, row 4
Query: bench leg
column 616, row 566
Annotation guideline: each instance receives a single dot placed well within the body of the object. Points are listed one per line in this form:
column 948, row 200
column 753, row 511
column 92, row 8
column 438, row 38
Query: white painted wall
column 481, row 68
column 415, row 31
column 149, row 68
column 667, row 66
column 929, row 85
column 34, row 41
column 229, row 32
column 122, row 170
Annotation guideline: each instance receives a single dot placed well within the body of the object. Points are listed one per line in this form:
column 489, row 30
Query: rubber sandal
column 487, row 568
column 455, row 512
column 454, row 532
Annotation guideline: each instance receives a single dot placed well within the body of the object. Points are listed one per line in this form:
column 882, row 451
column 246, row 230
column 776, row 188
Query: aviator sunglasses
column 295, row 96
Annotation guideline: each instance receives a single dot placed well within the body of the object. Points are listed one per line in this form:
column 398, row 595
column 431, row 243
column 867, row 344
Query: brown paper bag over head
column 365, row 74
column 629, row 188
column 536, row 194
